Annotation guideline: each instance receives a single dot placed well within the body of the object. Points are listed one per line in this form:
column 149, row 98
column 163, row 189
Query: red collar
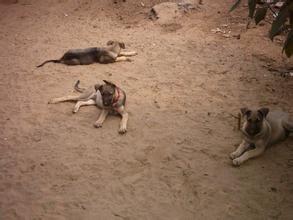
column 116, row 97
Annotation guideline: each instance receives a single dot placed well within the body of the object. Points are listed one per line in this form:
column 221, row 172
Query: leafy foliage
column 260, row 14
column 251, row 6
column 280, row 21
column 288, row 45
column 235, row 5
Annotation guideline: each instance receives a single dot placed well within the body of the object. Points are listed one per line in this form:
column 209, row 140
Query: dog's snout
column 252, row 130
column 107, row 102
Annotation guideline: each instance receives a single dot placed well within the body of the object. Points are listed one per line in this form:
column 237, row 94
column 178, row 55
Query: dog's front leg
column 259, row 149
column 127, row 54
column 124, row 120
column 123, row 58
column 64, row 99
column 101, row 118
column 241, row 148
column 82, row 103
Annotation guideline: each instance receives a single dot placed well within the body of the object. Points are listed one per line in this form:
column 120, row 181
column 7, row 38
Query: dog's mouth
column 250, row 133
column 107, row 102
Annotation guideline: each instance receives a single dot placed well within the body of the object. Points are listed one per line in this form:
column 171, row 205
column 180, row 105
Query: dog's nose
column 252, row 132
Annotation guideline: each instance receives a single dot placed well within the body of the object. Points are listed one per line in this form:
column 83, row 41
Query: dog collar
column 116, row 97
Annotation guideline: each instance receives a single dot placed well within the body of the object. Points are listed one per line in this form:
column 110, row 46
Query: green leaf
column 251, row 5
column 279, row 21
column 260, row 14
column 235, row 5
column 288, row 45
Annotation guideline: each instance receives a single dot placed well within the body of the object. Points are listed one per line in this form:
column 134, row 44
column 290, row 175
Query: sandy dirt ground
column 183, row 88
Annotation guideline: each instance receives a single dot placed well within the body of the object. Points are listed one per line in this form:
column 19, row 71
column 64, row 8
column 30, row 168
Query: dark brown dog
column 110, row 54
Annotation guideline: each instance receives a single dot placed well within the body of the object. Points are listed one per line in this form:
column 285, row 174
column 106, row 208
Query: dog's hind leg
column 122, row 58
column 288, row 125
column 71, row 62
column 127, row 54
column 83, row 103
column 64, row 99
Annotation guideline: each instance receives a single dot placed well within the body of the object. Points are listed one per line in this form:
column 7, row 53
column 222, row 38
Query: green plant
column 280, row 22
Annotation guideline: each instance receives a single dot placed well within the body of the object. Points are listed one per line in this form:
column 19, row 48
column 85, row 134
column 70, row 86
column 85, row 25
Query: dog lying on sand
column 110, row 54
column 108, row 97
column 261, row 129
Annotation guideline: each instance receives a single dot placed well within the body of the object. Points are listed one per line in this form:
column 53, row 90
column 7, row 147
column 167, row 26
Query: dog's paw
column 98, row 125
column 75, row 110
column 51, row 101
column 233, row 155
column 237, row 162
column 122, row 130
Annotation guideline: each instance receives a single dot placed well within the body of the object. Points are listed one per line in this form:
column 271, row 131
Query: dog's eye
column 249, row 120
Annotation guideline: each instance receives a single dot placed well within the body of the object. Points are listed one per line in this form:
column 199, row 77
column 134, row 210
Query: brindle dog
column 261, row 129
column 108, row 97
column 110, row 54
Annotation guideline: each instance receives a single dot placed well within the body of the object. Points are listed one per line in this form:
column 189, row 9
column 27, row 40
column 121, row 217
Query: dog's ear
column 245, row 111
column 122, row 45
column 264, row 111
column 109, row 83
column 98, row 87
column 110, row 42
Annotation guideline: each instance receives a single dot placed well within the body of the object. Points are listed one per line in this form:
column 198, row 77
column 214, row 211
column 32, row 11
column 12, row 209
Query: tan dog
column 108, row 97
column 260, row 130
column 110, row 54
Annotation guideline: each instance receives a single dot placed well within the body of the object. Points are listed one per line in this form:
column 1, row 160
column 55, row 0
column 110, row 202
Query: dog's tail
column 48, row 61
column 77, row 88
